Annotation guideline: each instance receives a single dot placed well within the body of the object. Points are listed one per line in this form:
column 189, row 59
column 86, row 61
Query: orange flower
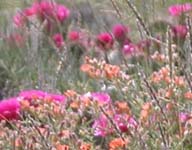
column 116, row 143
column 164, row 71
column 86, row 101
column 85, row 146
column 179, row 81
column 122, row 107
column 144, row 115
column 75, row 105
column 158, row 57
column 62, row 147
column 169, row 106
column 111, row 71
column 169, row 93
column 24, row 104
column 146, row 111
column 146, row 106
column 188, row 95
column 56, row 110
column 167, row 79
column 90, row 70
column 70, row 93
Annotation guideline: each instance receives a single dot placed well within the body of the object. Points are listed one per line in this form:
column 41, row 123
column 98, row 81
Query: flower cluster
column 45, row 10
column 179, row 9
column 101, row 69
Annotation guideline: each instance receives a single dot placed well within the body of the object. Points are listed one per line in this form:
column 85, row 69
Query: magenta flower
column 178, row 9
column 105, row 41
column 73, row 36
column 132, row 123
column 125, row 122
column 121, row 122
column 102, row 126
column 32, row 94
column 183, row 117
column 58, row 40
column 129, row 49
column 19, row 20
column 120, row 31
column 46, row 7
column 62, row 13
column 9, row 109
column 180, row 31
column 101, row 97
column 29, row 11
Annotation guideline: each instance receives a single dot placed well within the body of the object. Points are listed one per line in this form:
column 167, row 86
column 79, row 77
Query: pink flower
column 73, row 36
column 32, row 94
column 125, row 122
column 29, row 11
column 19, row 20
column 129, row 49
column 120, row 31
column 183, row 117
column 9, row 109
column 121, row 122
column 132, row 123
column 44, row 9
column 62, row 13
column 178, row 9
column 102, row 126
column 179, row 31
column 58, row 40
column 101, row 97
column 105, row 41
column 41, row 95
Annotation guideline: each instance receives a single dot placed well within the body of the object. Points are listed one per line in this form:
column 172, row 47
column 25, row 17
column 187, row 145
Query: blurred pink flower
column 101, row 97
column 105, row 41
column 9, row 109
column 124, row 122
column 183, row 117
column 30, row 11
column 62, row 12
column 19, row 20
column 46, row 7
column 120, row 31
column 58, row 40
column 178, row 9
column 73, row 36
column 121, row 122
column 102, row 126
column 32, row 94
column 129, row 49
column 180, row 31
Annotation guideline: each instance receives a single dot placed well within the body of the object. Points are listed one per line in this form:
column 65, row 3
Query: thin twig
column 116, row 8
column 162, row 135
column 138, row 16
